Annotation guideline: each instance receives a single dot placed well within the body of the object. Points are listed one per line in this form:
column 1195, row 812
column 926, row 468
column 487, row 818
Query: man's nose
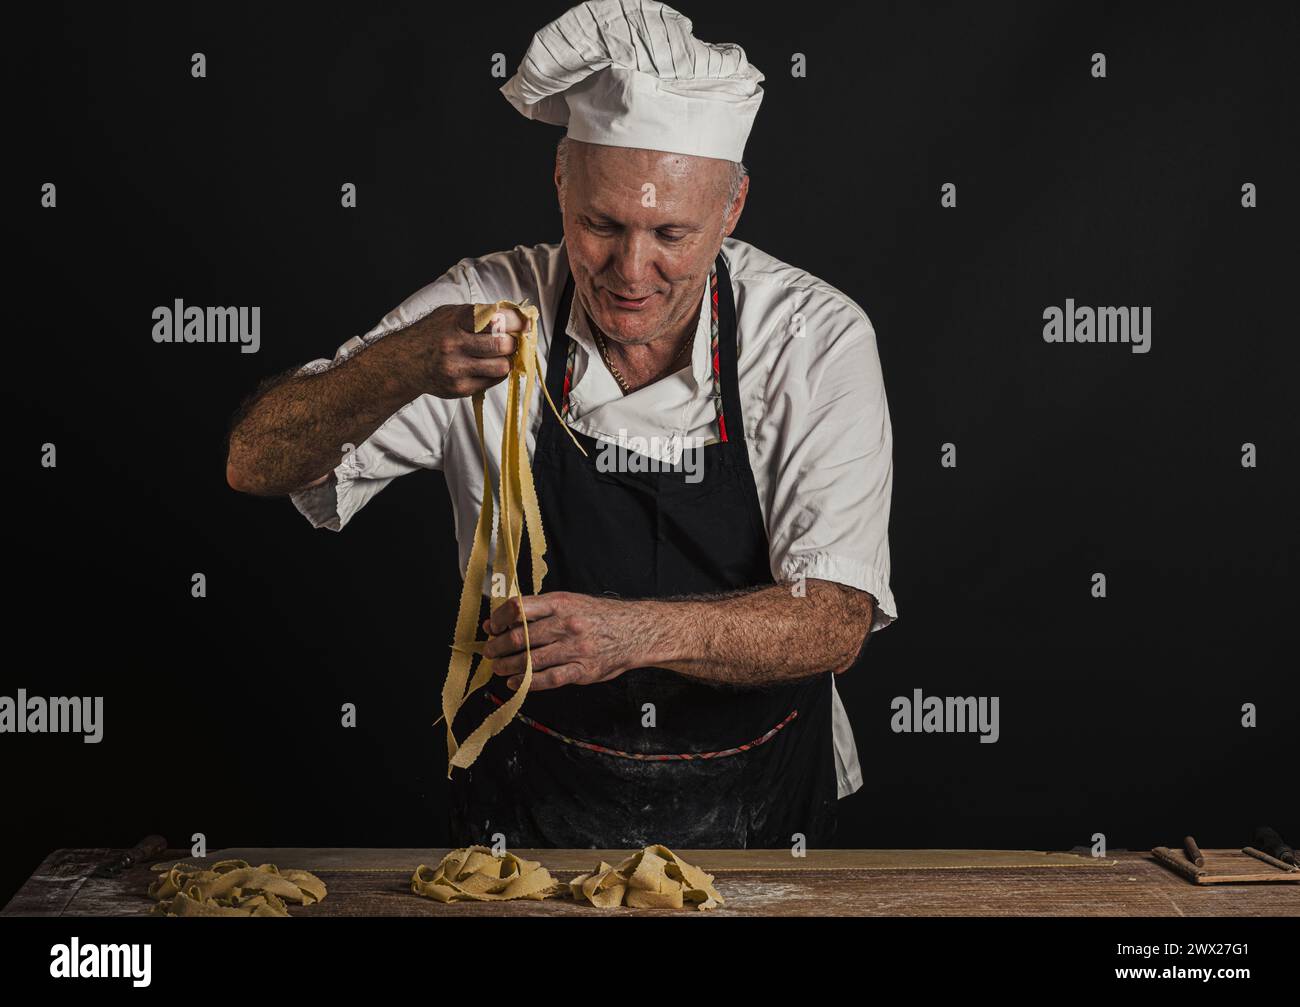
column 634, row 263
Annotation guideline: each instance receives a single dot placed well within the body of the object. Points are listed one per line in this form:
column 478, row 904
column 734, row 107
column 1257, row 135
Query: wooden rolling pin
column 1179, row 863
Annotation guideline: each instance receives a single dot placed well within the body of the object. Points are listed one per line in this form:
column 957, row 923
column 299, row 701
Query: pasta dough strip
column 519, row 508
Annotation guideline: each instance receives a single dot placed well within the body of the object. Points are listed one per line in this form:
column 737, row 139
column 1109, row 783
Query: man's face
column 640, row 255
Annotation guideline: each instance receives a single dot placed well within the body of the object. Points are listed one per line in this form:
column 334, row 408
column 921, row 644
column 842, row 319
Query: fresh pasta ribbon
column 518, row 507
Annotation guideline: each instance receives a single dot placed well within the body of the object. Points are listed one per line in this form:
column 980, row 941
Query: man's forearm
column 294, row 432
column 759, row 637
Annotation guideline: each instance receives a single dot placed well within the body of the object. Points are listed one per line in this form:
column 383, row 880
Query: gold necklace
column 618, row 375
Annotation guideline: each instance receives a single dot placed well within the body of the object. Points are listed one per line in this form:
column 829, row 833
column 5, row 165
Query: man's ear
column 559, row 190
column 733, row 217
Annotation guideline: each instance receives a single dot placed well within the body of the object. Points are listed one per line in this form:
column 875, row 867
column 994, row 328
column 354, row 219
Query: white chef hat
column 629, row 73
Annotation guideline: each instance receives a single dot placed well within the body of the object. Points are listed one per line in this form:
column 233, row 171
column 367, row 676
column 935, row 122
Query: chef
column 694, row 617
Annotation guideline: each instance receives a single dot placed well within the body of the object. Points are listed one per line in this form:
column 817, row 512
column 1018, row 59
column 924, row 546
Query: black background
column 1119, row 716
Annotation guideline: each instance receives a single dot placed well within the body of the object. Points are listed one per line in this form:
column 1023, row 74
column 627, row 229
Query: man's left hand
column 576, row 639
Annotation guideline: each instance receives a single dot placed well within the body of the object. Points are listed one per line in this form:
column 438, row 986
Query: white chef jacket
column 816, row 420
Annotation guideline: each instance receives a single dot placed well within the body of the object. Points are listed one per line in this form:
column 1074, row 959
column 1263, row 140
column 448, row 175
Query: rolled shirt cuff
column 849, row 572
column 331, row 504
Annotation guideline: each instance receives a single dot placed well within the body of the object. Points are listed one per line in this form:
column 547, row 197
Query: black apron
column 720, row 767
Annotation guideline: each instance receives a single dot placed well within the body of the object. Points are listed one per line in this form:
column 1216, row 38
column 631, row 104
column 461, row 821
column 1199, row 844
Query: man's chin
column 629, row 330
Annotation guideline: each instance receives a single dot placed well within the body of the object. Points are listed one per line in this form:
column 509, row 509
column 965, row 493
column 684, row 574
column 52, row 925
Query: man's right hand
column 461, row 361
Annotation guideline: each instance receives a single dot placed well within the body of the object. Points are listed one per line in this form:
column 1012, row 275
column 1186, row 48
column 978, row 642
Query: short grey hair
column 738, row 173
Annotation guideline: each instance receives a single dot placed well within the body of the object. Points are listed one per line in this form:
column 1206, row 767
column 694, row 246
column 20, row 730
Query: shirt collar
column 702, row 351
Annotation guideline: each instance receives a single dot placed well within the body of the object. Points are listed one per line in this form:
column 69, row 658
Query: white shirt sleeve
column 828, row 517
column 412, row 438
column 848, row 770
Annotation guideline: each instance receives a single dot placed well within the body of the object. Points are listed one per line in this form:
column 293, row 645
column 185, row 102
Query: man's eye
column 671, row 238
column 599, row 228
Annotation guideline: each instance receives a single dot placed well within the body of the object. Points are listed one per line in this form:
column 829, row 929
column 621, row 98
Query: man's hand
column 461, row 361
column 576, row 639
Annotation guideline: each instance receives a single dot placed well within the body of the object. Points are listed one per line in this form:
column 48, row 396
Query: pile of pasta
column 474, row 874
column 233, row 888
column 655, row 878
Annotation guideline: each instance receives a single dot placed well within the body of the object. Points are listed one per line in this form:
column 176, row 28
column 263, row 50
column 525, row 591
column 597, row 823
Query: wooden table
column 374, row 882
